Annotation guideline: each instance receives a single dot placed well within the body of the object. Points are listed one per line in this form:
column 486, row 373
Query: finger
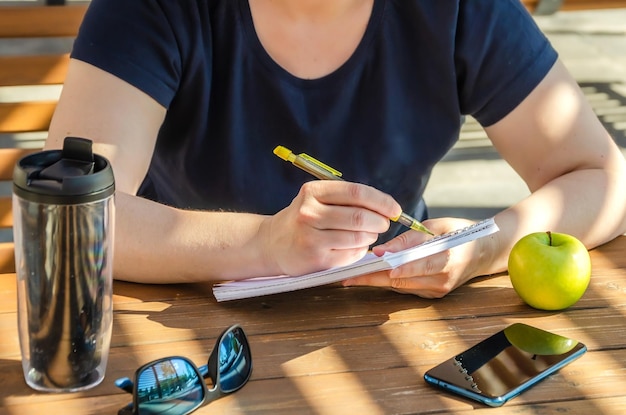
column 375, row 279
column 339, row 239
column 348, row 218
column 431, row 265
column 425, row 287
column 382, row 279
column 431, row 286
column 401, row 242
column 344, row 193
column 316, row 259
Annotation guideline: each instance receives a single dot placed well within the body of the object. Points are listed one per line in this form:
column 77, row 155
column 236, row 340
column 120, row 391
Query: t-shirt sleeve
column 501, row 56
column 135, row 41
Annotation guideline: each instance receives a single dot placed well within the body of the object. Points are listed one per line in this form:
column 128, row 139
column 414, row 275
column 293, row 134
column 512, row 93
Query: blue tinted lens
column 170, row 387
column 234, row 360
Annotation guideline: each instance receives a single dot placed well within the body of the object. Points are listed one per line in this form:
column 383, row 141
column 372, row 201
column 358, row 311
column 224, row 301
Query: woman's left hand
column 433, row 276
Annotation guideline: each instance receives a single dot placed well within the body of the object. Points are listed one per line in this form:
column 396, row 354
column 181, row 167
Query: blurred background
column 472, row 181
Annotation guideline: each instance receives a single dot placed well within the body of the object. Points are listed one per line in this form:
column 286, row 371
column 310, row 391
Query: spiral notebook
column 260, row 286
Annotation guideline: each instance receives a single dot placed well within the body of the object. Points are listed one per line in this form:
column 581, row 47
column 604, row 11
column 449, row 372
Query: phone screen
column 505, row 364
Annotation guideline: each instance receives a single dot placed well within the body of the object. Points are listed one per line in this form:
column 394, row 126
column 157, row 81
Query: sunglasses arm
column 127, row 410
column 124, row 384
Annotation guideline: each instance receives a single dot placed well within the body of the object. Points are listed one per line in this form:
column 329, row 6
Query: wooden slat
column 593, row 4
column 40, row 21
column 22, row 117
column 33, row 70
column 572, row 5
column 6, row 213
column 8, row 158
column 7, row 258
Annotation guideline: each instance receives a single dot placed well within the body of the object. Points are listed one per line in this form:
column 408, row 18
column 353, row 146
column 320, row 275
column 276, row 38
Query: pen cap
column 70, row 176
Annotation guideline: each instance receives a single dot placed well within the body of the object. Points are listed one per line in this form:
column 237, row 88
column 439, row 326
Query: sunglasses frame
column 211, row 371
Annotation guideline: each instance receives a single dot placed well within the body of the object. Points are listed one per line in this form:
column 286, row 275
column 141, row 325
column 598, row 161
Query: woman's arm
column 573, row 168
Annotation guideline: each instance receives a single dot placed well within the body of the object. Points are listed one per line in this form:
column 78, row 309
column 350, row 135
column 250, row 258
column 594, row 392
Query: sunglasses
column 175, row 386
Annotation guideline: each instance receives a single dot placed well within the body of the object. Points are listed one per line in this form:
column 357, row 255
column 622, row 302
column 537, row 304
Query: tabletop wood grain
column 334, row 350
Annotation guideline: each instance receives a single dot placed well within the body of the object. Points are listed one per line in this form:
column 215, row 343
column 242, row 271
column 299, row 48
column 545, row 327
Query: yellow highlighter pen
column 325, row 172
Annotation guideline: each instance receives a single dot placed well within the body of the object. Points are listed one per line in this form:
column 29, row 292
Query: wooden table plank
column 403, row 390
column 141, row 323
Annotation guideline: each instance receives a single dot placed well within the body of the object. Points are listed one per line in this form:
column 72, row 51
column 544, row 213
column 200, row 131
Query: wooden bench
column 27, row 70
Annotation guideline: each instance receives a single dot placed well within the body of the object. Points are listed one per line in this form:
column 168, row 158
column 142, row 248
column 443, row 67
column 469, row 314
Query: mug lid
column 69, row 176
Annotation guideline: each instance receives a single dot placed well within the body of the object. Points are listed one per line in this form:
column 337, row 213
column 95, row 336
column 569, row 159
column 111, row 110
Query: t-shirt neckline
column 337, row 74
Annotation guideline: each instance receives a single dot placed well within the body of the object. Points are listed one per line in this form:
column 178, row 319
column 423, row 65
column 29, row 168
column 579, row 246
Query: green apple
column 549, row 271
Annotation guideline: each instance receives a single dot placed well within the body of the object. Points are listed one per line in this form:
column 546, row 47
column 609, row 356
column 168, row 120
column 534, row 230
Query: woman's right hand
column 328, row 224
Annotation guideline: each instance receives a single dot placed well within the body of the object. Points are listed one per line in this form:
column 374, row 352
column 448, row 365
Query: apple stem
column 549, row 237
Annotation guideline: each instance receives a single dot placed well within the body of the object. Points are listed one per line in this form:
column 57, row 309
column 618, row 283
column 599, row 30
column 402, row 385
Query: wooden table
column 334, row 350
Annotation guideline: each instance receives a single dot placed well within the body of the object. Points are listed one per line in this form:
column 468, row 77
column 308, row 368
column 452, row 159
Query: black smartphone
column 505, row 364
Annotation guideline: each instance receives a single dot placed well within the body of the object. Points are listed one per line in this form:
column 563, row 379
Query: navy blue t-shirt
column 384, row 118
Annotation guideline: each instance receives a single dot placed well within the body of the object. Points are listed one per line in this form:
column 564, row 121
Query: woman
column 188, row 98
